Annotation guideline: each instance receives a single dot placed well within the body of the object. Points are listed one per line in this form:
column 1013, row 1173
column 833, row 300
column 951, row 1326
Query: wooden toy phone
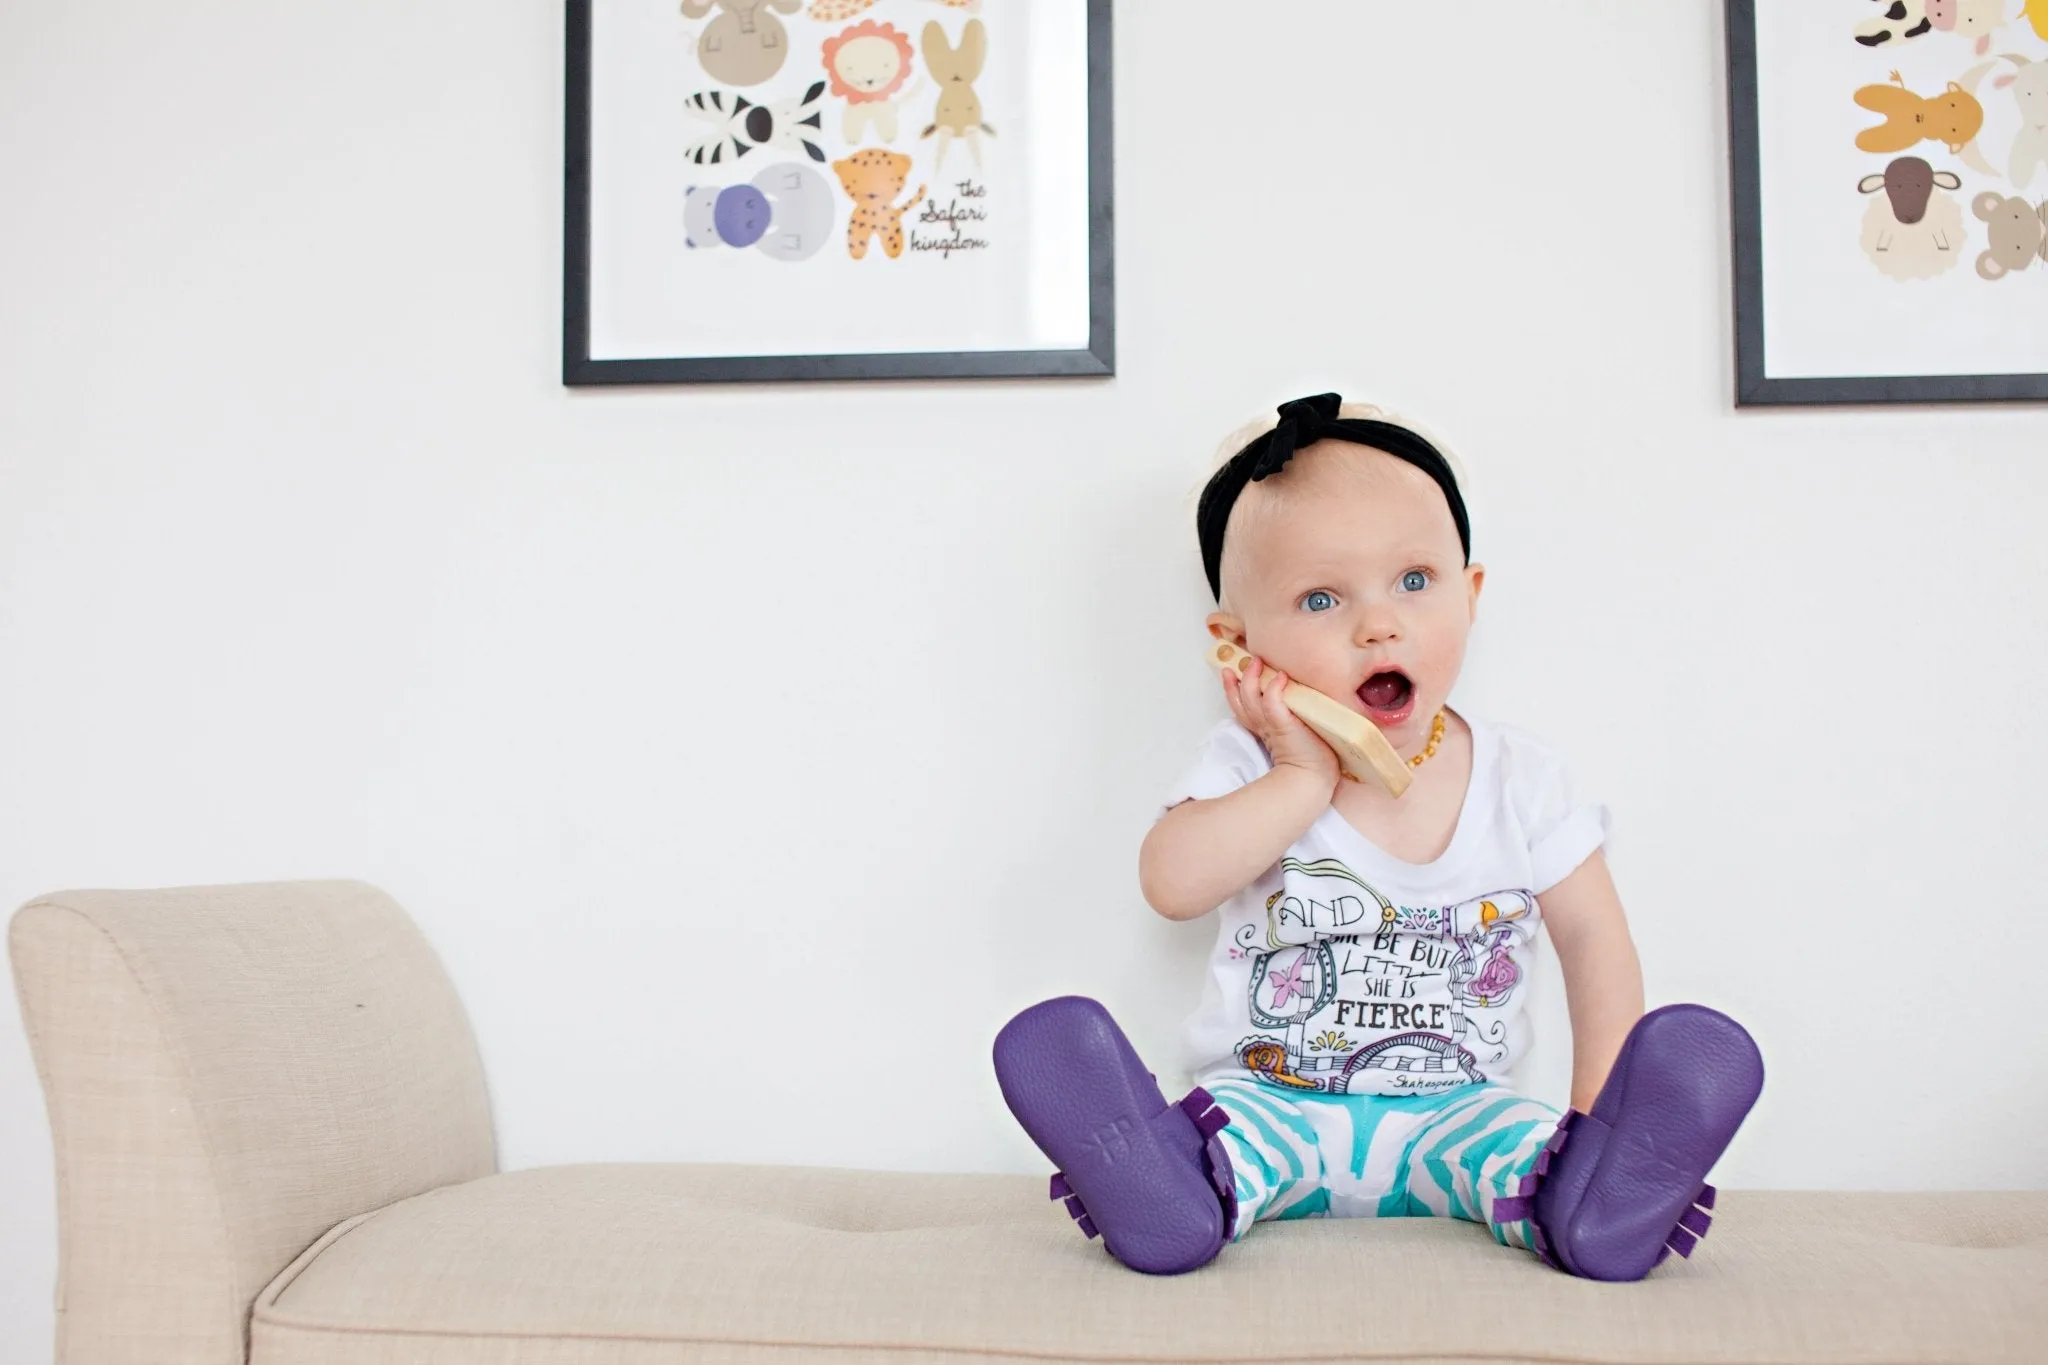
column 1362, row 751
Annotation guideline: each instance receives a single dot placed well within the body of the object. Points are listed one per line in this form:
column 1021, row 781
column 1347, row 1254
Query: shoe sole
column 1131, row 1164
column 1682, row 1086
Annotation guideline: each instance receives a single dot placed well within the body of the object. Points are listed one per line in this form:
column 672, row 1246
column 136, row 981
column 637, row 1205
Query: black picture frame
column 1097, row 359
column 1753, row 385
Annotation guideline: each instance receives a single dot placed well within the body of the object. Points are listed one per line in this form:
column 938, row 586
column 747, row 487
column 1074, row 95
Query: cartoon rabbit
column 746, row 44
column 958, row 113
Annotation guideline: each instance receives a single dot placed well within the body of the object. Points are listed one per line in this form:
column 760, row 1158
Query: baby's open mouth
column 1388, row 695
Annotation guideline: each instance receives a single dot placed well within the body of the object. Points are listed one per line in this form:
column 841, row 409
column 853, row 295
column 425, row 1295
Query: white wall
column 309, row 567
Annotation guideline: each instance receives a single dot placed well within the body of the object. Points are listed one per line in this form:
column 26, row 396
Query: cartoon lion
column 868, row 65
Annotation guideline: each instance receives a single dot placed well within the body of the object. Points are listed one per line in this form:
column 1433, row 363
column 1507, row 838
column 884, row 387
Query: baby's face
column 1350, row 578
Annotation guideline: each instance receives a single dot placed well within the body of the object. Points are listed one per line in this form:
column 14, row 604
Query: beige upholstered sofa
column 273, row 1144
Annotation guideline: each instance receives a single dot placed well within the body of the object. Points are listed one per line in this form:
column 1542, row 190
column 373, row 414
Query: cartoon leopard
column 872, row 179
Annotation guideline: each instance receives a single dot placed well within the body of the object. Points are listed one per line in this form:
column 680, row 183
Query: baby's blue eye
column 1415, row 580
column 1318, row 601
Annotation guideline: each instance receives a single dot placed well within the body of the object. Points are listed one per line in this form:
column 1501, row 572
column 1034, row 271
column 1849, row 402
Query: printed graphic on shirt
column 1356, row 995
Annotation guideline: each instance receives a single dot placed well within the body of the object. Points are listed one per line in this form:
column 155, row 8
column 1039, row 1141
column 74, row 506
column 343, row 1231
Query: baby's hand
column 1256, row 702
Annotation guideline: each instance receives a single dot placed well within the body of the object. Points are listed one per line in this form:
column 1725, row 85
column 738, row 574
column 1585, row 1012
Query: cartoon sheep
column 1912, row 230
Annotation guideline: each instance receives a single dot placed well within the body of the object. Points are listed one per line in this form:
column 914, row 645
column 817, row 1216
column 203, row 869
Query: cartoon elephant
column 2018, row 232
column 746, row 44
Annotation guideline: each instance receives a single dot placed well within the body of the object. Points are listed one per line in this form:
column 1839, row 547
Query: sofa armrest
column 229, row 1072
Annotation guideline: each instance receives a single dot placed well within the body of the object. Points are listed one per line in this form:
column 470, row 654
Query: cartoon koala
column 2018, row 232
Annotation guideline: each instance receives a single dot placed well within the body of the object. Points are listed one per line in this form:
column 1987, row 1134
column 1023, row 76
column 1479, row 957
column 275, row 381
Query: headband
column 1303, row 422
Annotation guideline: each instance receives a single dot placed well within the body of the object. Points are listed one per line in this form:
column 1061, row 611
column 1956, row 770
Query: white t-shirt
column 1345, row 970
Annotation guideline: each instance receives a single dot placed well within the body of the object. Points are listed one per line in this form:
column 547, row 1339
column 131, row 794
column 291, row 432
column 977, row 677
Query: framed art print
column 837, row 189
column 1890, row 178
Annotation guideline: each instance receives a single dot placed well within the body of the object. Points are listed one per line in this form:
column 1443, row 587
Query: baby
column 1365, row 992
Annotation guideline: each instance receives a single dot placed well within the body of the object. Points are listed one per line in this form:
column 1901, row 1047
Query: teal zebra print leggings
column 1303, row 1154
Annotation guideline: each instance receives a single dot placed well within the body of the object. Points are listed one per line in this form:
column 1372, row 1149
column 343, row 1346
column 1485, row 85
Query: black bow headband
column 1303, row 422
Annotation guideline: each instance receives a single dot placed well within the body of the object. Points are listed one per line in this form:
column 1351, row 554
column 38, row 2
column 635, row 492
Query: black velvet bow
column 1303, row 422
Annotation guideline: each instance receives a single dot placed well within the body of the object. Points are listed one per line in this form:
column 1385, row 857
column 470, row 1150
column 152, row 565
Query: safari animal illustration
column 785, row 212
column 958, row 113
column 2018, row 232
column 1912, row 231
column 741, row 125
column 746, row 43
column 873, row 178
column 2029, row 86
column 1902, row 20
column 1952, row 118
column 869, row 67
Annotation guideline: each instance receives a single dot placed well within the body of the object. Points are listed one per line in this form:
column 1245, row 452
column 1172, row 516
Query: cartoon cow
column 1907, row 19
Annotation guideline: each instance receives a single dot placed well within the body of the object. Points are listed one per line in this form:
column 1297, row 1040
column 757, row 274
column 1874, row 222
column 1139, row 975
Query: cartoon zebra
column 743, row 125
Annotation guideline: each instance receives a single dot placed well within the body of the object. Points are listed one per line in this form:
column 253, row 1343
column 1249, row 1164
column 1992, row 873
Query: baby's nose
column 1376, row 625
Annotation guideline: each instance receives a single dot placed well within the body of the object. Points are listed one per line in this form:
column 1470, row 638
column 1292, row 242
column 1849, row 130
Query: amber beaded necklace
column 1436, row 737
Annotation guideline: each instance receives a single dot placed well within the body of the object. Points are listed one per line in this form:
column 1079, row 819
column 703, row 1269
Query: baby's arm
column 1201, row 853
column 1602, row 977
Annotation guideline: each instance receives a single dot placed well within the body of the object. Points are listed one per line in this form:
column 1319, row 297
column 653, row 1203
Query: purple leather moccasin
column 1151, row 1177
column 1621, row 1188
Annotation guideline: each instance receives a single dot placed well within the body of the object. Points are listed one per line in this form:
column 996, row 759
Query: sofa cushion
column 582, row 1264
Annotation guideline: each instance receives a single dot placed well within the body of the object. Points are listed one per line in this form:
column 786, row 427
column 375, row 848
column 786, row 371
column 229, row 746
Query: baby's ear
column 1224, row 626
column 1475, row 579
